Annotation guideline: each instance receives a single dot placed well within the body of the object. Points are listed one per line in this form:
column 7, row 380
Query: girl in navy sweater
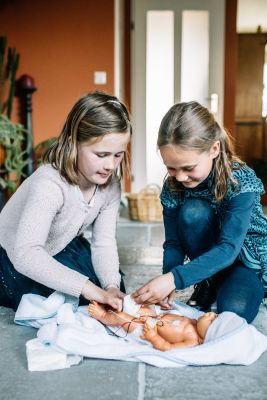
column 212, row 216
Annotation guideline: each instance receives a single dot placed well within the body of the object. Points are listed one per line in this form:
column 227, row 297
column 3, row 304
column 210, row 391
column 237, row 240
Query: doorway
column 177, row 55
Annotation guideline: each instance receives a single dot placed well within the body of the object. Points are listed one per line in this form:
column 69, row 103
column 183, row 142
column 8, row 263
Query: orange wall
column 61, row 44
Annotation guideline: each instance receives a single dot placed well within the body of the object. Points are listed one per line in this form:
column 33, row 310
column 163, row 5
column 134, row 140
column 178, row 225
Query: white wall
column 251, row 14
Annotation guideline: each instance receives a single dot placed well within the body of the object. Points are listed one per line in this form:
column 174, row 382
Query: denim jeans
column 76, row 255
column 239, row 289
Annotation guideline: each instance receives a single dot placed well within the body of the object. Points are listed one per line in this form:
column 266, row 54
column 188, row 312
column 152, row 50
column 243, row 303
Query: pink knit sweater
column 44, row 215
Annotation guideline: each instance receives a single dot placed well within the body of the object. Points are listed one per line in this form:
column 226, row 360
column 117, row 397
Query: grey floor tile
column 105, row 379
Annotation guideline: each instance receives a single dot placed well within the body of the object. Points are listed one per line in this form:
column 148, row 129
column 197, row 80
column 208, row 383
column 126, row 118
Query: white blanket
column 67, row 333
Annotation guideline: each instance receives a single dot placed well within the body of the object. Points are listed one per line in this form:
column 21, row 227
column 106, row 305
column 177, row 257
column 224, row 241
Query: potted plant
column 13, row 156
column 9, row 63
column 13, row 159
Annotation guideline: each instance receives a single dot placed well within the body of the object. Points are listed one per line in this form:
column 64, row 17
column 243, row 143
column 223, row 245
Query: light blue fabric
column 73, row 332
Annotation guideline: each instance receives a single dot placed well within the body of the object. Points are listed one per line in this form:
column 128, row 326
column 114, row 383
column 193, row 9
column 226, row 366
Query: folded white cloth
column 66, row 331
column 44, row 358
column 132, row 308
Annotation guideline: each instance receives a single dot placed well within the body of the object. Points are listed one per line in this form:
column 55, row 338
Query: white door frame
column 138, row 70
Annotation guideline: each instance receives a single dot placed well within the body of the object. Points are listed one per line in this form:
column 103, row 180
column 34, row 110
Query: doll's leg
column 112, row 318
column 240, row 291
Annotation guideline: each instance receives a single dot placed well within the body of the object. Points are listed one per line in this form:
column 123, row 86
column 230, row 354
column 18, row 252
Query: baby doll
column 164, row 331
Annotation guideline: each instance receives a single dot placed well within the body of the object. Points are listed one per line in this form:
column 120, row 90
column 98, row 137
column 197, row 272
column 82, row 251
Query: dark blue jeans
column 239, row 289
column 76, row 255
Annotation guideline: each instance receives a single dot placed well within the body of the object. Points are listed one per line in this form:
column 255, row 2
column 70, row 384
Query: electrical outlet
column 100, row 77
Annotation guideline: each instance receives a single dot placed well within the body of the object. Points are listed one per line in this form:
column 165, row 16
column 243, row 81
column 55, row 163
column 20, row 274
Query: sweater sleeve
column 29, row 256
column 103, row 242
column 233, row 232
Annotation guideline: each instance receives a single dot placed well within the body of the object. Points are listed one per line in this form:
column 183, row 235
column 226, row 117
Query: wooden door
column 249, row 90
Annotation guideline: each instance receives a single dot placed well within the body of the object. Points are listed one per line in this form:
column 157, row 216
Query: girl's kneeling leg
column 77, row 256
column 240, row 291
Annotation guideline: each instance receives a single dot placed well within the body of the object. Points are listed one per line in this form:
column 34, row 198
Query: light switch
column 100, row 77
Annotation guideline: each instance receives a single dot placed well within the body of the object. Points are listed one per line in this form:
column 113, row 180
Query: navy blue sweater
column 243, row 231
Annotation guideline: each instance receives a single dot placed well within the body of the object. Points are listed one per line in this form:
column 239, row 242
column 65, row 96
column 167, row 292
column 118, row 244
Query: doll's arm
column 150, row 334
column 185, row 343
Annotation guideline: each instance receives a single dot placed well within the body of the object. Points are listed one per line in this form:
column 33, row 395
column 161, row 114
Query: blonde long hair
column 94, row 115
column 192, row 127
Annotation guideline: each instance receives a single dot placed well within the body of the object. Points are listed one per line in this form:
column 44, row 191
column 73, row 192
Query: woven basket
column 145, row 206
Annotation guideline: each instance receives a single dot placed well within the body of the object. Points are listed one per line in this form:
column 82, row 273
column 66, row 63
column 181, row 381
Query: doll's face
column 204, row 322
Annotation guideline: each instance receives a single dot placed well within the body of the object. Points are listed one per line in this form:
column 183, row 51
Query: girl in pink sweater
column 42, row 246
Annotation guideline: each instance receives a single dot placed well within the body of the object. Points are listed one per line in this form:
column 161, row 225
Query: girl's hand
column 156, row 290
column 92, row 292
column 114, row 291
column 167, row 303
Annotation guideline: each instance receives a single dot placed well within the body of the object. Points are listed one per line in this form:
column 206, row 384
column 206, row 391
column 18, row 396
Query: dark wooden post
column 25, row 89
column 230, row 65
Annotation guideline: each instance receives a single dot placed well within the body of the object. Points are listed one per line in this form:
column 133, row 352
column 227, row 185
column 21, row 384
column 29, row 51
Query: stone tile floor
column 115, row 380
column 120, row 380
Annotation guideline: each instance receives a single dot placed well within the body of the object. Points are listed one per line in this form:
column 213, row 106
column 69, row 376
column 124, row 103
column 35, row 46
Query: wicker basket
column 145, row 206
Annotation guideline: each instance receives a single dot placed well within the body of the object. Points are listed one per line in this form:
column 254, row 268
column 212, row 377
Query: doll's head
column 204, row 322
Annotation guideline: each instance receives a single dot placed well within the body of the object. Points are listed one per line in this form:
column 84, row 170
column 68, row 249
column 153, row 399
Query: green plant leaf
column 12, row 137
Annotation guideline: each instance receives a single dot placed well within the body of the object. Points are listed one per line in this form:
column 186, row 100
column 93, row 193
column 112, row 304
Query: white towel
column 66, row 331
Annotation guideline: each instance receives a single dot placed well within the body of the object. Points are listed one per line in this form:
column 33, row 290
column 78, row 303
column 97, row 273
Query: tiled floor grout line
column 141, row 381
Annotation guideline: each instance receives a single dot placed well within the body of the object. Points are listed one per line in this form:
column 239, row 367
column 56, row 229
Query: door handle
column 214, row 100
